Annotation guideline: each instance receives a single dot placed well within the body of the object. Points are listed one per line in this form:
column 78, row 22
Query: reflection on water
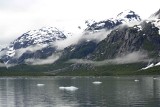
column 112, row 92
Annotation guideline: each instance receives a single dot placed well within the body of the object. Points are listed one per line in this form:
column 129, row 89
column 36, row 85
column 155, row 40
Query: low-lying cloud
column 125, row 59
column 34, row 48
column 49, row 60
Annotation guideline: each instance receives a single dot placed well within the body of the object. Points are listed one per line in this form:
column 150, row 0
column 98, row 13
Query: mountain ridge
column 120, row 40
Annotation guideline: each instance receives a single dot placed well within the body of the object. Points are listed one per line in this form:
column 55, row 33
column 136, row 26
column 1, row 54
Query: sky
column 20, row 16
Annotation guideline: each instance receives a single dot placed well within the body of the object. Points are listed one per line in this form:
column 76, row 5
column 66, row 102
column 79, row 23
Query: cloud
column 2, row 65
column 125, row 59
column 49, row 60
column 34, row 48
column 97, row 35
column 19, row 16
column 71, row 40
column 6, row 65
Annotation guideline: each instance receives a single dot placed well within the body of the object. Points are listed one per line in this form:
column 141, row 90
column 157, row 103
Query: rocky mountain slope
column 112, row 40
column 143, row 37
column 34, row 44
column 90, row 40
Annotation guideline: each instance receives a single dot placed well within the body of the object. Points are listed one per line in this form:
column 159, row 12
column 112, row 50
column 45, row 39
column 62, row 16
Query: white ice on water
column 71, row 88
column 96, row 82
column 40, row 85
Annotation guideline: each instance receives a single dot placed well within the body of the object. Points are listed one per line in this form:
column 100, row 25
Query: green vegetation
column 105, row 70
column 150, row 71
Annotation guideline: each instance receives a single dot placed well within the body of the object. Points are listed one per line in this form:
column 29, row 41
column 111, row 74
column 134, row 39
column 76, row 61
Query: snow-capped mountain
column 33, row 44
column 125, row 17
column 41, row 36
column 155, row 19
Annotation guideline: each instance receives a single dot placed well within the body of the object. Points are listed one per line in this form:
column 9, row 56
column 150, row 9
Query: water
column 112, row 92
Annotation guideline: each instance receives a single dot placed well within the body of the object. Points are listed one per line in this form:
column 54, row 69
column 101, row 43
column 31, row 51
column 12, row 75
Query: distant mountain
column 120, row 37
column 127, row 16
column 32, row 45
column 144, row 37
column 89, row 43
column 139, row 44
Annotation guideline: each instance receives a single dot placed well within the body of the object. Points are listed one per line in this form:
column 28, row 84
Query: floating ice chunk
column 136, row 80
column 97, row 82
column 73, row 78
column 40, row 85
column 71, row 88
column 154, row 78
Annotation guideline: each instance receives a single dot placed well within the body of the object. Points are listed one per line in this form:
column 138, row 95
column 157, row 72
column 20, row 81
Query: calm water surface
column 112, row 92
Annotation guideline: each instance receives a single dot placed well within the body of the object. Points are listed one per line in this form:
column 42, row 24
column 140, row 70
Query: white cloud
column 19, row 16
column 49, row 60
column 34, row 48
column 125, row 59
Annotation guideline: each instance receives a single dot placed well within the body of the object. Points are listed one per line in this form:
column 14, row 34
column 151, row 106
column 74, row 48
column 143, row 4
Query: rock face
column 80, row 50
column 87, row 46
column 33, row 44
column 143, row 37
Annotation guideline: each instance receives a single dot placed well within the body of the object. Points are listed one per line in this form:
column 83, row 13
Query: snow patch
column 149, row 66
column 158, row 64
column 138, row 27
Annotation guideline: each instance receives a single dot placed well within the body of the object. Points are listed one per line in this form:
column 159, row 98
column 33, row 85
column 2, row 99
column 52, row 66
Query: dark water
column 113, row 92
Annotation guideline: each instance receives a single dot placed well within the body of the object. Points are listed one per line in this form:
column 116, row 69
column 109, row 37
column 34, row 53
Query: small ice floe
column 96, row 82
column 71, row 88
column 154, row 78
column 136, row 80
column 73, row 78
column 40, row 85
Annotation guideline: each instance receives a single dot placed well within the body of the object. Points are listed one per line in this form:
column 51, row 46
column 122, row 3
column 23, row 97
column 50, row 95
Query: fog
column 125, row 59
column 2, row 65
column 49, row 60
column 34, row 48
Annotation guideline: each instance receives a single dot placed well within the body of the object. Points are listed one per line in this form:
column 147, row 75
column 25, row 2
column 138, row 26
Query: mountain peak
column 128, row 15
column 33, row 44
column 39, row 36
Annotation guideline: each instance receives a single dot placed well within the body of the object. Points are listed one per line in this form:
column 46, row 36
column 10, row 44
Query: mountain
column 80, row 50
column 89, row 42
column 34, row 44
column 114, row 46
column 127, row 16
column 155, row 19
column 138, row 44
column 144, row 37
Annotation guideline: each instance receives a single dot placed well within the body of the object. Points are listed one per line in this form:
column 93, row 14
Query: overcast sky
column 19, row 16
